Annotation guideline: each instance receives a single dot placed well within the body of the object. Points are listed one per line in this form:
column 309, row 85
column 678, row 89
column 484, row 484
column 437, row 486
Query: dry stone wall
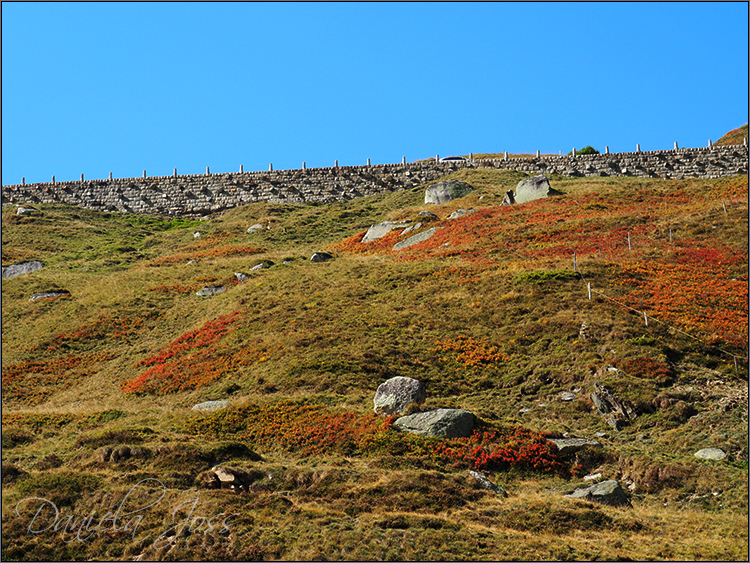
column 199, row 194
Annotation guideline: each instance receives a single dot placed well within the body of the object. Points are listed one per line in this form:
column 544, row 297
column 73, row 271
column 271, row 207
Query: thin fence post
column 600, row 253
column 304, row 165
column 670, row 235
column 725, row 207
column 575, row 263
column 589, row 291
column 629, row 247
column 645, row 318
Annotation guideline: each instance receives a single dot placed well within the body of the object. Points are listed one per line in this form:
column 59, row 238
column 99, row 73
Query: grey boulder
column 446, row 191
column 710, row 453
column 381, row 229
column 569, row 446
column 320, row 257
column 210, row 290
column 460, row 213
column 211, row 405
column 49, row 294
column 19, row 268
column 255, row 228
column 440, row 423
column 26, row 210
column 536, row 187
column 415, row 239
column 394, row 396
column 607, row 492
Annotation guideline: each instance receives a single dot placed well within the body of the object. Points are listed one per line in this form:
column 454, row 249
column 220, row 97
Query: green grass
column 502, row 293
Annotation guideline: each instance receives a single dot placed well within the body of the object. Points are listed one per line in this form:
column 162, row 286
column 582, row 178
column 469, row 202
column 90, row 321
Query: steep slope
column 492, row 313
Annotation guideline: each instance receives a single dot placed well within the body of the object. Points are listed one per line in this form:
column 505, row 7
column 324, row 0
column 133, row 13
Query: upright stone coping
column 440, row 423
column 201, row 194
column 395, row 395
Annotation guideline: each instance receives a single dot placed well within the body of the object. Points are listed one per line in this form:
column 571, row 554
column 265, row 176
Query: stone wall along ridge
column 200, row 194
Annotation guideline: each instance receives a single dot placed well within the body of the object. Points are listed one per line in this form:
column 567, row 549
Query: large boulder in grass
column 394, row 396
column 440, row 423
column 535, row 187
column 446, row 191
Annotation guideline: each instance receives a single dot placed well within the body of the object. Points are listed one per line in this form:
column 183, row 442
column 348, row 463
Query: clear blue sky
column 122, row 87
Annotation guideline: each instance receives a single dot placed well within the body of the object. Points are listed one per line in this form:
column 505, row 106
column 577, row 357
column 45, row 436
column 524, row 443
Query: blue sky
column 122, row 87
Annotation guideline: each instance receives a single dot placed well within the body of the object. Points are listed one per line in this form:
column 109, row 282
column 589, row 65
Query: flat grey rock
column 569, row 446
column 255, row 228
column 241, row 277
column 711, row 453
column 567, row 396
column 460, row 213
column 49, row 294
column 26, row 210
column 441, row 423
column 416, row 239
column 606, row 492
column 485, row 483
column 210, row 290
column 381, row 229
column 446, row 191
column 211, row 405
column 19, row 268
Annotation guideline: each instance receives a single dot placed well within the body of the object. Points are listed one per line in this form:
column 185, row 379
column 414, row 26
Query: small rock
column 255, row 228
column 607, row 492
column 381, row 229
column 569, row 446
column 189, row 262
column 320, row 257
column 567, row 396
column 524, row 410
column 258, row 267
column 241, row 277
column 485, row 483
column 460, row 213
column 26, row 210
column 427, row 214
column 49, row 294
column 508, row 199
column 196, row 234
column 601, row 435
column 211, row 405
column 711, row 453
column 592, row 477
column 412, row 228
column 210, row 290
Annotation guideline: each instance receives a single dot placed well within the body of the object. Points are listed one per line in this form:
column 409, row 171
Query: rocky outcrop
column 233, row 478
column 607, row 492
column 20, row 268
column 711, row 453
column 485, row 483
column 617, row 413
column 440, row 423
column 446, row 191
column 395, row 396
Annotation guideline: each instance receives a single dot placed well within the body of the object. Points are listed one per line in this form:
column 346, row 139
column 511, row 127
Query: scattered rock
column 441, row 423
column 567, row 396
column 508, row 199
column 211, row 405
column 320, row 257
column 241, row 277
column 607, row 492
column 235, row 479
column 593, row 477
column 711, row 453
column 460, row 213
column 414, row 227
column 416, row 239
column 258, row 267
column 429, row 214
column 485, row 483
column 536, row 187
column 189, row 262
column 26, row 210
column 255, row 228
column 49, row 294
column 617, row 413
column 381, row 229
column 446, row 191
column 196, row 234
column 394, row 396
column 210, row 290
column 19, row 268
column 568, row 446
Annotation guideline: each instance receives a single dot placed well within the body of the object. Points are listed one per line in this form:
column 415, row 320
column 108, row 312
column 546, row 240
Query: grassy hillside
column 734, row 137
column 489, row 313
